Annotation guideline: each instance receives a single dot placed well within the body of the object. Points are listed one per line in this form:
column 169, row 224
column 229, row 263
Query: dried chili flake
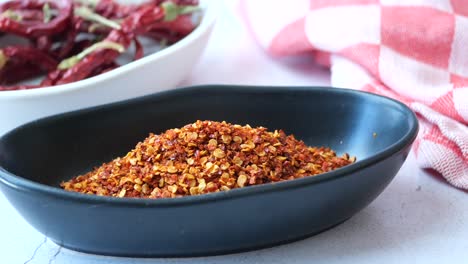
column 206, row 157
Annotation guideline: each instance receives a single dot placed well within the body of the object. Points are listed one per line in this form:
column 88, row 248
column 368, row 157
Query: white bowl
column 156, row 72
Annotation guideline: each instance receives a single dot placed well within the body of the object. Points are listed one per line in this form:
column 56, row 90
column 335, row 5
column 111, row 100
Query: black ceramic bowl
column 36, row 157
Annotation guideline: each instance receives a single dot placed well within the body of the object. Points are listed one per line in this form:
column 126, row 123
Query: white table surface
column 417, row 219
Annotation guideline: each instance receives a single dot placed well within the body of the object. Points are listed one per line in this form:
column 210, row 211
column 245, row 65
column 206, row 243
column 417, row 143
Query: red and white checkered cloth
column 413, row 50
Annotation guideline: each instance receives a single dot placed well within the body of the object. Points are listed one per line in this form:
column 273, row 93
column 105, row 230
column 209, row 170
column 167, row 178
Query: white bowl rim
column 208, row 19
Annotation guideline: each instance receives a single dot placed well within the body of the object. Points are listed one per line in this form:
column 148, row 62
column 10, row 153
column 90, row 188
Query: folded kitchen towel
column 415, row 51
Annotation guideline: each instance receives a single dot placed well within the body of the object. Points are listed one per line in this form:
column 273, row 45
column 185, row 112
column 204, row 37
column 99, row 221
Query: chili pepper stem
column 172, row 10
column 3, row 59
column 11, row 15
column 46, row 12
column 70, row 62
column 88, row 14
column 94, row 26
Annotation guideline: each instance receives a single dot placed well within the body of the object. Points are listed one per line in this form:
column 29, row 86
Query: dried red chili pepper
column 142, row 19
column 67, row 47
column 51, row 78
column 138, row 21
column 36, row 28
column 105, row 68
column 83, row 67
column 138, row 49
column 112, row 9
column 164, row 37
column 30, row 14
column 55, row 29
column 17, row 71
column 28, row 54
column 43, row 43
column 182, row 25
column 19, row 63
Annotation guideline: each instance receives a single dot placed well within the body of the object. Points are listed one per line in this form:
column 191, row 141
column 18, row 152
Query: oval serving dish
column 36, row 157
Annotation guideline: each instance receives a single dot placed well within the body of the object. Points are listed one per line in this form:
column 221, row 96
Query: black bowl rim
column 21, row 184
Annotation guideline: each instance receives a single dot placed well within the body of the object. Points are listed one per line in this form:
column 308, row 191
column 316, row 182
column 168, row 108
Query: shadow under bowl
column 36, row 157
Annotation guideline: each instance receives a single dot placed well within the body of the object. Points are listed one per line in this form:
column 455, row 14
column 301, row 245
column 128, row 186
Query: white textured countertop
column 417, row 219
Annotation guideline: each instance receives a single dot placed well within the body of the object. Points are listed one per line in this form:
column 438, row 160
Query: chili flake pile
column 205, row 157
